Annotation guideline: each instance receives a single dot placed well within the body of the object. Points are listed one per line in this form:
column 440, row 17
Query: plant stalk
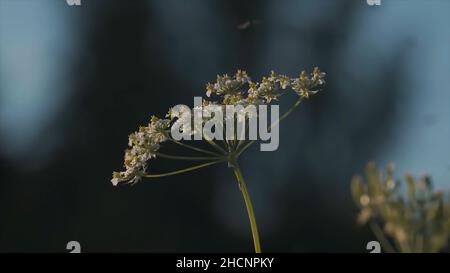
column 248, row 204
column 183, row 170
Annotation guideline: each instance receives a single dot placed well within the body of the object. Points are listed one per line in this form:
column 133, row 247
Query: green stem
column 240, row 143
column 216, row 146
column 380, row 237
column 176, row 157
column 248, row 204
column 193, row 148
column 288, row 112
column 182, row 170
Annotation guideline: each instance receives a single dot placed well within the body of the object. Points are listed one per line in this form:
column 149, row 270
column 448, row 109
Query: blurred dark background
column 75, row 81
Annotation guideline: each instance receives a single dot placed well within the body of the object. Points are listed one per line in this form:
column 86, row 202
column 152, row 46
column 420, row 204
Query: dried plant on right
column 415, row 219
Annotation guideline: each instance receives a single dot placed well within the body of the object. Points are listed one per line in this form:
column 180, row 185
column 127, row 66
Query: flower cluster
column 241, row 99
column 305, row 86
column 419, row 223
column 229, row 87
column 144, row 145
column 229, row 90
column 240, row 89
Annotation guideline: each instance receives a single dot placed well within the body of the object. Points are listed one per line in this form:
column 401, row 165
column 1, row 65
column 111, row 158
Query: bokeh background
column 75, row 81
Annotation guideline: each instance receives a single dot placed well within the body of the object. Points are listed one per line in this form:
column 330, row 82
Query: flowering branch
column 238, row 90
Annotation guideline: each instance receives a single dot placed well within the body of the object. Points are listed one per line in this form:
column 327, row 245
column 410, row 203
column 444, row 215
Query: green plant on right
column 416, row 220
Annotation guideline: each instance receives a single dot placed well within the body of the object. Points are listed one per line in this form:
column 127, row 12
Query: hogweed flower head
column 227, row 90
column 237, row 90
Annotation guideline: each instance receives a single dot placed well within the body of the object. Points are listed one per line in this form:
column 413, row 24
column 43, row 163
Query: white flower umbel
column 229, row 121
